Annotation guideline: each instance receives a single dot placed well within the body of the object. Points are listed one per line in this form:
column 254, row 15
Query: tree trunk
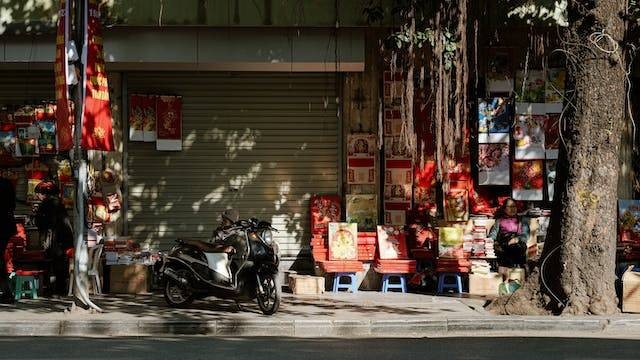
column 579, row 255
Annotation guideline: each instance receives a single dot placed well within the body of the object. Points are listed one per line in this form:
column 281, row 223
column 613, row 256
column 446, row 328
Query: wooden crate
column 485, row 285
column 129, row 279
column 306, row 284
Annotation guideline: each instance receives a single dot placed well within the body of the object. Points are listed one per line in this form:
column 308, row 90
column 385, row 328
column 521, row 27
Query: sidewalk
column 364, row 314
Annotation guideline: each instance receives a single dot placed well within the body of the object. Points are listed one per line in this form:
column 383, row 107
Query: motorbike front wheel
column 175, row 294
column 269, row 300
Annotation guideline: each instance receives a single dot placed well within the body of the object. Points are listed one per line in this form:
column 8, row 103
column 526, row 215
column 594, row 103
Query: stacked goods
column 324, row 209
column 366, row 246
column 481, row 267
column 346, row 266
column 453, row 265
column 400, row 266
column 467, row 245
column 489, row 249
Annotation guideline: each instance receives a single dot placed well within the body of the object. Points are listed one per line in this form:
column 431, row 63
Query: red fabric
column 64, row 114
column 70, row 252
column 97, row 122
column 29, row 272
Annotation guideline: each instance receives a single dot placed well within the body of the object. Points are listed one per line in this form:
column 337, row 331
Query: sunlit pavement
column 307, row 349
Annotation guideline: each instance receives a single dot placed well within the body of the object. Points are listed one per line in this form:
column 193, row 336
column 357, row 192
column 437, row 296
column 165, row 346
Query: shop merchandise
column 362, row 210
column 499, row 71
column 494, row 120
column 343, row 241
column 392, row 243
column 169, row 123
column 361, row 159
column 528, row 135
column 493, row 164
column 530, row 86
column 324, row 209
column 528, row 180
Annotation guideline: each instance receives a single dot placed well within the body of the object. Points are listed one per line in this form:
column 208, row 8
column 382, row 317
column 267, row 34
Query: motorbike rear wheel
column 269, row 301
column 175, row 294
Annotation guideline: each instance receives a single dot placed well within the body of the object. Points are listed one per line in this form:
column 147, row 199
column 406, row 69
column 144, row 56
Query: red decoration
column 64, row 111
column 97, row 122
column 324, row 209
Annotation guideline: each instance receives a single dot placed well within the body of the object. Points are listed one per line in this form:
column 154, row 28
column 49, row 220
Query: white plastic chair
column 94, row 268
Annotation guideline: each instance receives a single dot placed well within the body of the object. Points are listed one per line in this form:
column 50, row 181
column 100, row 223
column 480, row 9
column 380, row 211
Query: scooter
column 246, row 271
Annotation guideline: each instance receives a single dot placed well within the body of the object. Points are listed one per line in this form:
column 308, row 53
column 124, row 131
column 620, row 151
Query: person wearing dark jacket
column 7, row 230
column 510, row 234
column 54, row 225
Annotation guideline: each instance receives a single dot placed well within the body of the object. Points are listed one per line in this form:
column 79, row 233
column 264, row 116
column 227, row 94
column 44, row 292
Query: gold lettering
column 100, row 95
column 99, row 80
column 100, row 68
column 60, row 39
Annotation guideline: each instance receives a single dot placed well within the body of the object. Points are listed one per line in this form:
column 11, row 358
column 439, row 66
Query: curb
column 316, row 328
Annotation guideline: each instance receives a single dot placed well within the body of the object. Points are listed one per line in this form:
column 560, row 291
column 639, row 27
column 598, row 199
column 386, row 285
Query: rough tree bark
column 580, row 249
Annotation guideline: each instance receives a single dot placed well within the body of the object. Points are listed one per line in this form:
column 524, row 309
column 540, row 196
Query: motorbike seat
column 210, row 248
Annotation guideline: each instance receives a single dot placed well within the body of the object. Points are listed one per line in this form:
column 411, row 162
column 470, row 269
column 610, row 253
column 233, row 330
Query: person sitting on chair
column 510, row 235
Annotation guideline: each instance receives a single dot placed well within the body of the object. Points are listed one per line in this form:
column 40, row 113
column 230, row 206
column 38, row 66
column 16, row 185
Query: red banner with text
column 97, row 123
column 64, row 114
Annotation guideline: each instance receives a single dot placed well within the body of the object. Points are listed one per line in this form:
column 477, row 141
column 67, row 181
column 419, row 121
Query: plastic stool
column 338, row 285
column 387, row 284
column 26, row 277
column 444, row 285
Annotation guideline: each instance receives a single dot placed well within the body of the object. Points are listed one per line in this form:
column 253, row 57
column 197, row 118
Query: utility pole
column 81, row 257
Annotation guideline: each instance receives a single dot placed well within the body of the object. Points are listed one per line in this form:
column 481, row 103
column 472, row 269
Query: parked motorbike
column 244, row 272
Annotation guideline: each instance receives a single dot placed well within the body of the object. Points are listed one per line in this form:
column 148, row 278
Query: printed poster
column 395, row 217
column 393, row 89
column 528, row 135
column 47, row 139
column 494, row 167
column 394, row 148
column 398, row 172
column 450, row 241
column 395, row 193
column 499, row 72
column 392, row 243
column 27, row 140
column 343, row 241
column 552, row 136
column 494, row 120
column 629, row 220
column 551, row 177
column 554, row 93
column 324, row 209
column 456, row 205
column 169, row 125
column 7, row 142
column 362, row 210
column 392, row 122
column 361, row 159
column 142, row 118
column 530, row 86
column 528, row 180
column 424, row 193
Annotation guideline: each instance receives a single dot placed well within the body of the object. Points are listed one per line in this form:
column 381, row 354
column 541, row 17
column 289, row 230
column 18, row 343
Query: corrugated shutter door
column 259, row 143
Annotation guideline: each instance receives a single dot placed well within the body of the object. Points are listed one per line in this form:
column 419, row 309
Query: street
column 307, row 349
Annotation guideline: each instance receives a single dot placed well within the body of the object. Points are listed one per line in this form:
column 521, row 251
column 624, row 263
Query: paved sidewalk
column 363, row 314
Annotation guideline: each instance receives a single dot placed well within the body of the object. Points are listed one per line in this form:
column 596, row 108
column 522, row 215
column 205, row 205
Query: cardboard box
column 631, row 291
column 129, row 279
column 306, row 284
column 485, row 285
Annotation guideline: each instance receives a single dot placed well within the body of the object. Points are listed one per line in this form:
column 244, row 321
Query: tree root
column 527, row 300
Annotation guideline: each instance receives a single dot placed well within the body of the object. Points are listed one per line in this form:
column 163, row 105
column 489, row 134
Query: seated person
column 510, row 234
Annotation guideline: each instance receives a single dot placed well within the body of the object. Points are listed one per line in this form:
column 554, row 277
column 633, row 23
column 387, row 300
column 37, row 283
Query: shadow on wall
column 263, row 159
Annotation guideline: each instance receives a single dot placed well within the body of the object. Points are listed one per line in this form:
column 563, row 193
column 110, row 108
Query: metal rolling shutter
column 261, row 143
column 21, row 88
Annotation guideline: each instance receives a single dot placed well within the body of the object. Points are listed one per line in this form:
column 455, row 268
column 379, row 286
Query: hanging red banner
column 64, row 116
column 97, row 132
column 169, row 126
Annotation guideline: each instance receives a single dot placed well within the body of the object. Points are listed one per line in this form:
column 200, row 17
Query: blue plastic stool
column 352, row 286
column 455, row 285
column 20, row 289
column 387, row 284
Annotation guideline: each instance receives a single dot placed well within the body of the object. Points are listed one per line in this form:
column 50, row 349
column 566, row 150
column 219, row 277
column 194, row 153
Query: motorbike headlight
column 267, row 236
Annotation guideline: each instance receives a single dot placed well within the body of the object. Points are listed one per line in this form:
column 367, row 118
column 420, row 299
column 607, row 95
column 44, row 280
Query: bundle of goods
column 401, row 266
column 453, row 265
column 366, row 246
column 341, row 266
column 319, row 248
column 480, row 267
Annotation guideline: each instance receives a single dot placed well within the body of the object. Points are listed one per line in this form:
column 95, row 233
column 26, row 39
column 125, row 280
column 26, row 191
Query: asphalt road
column 306, row 349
